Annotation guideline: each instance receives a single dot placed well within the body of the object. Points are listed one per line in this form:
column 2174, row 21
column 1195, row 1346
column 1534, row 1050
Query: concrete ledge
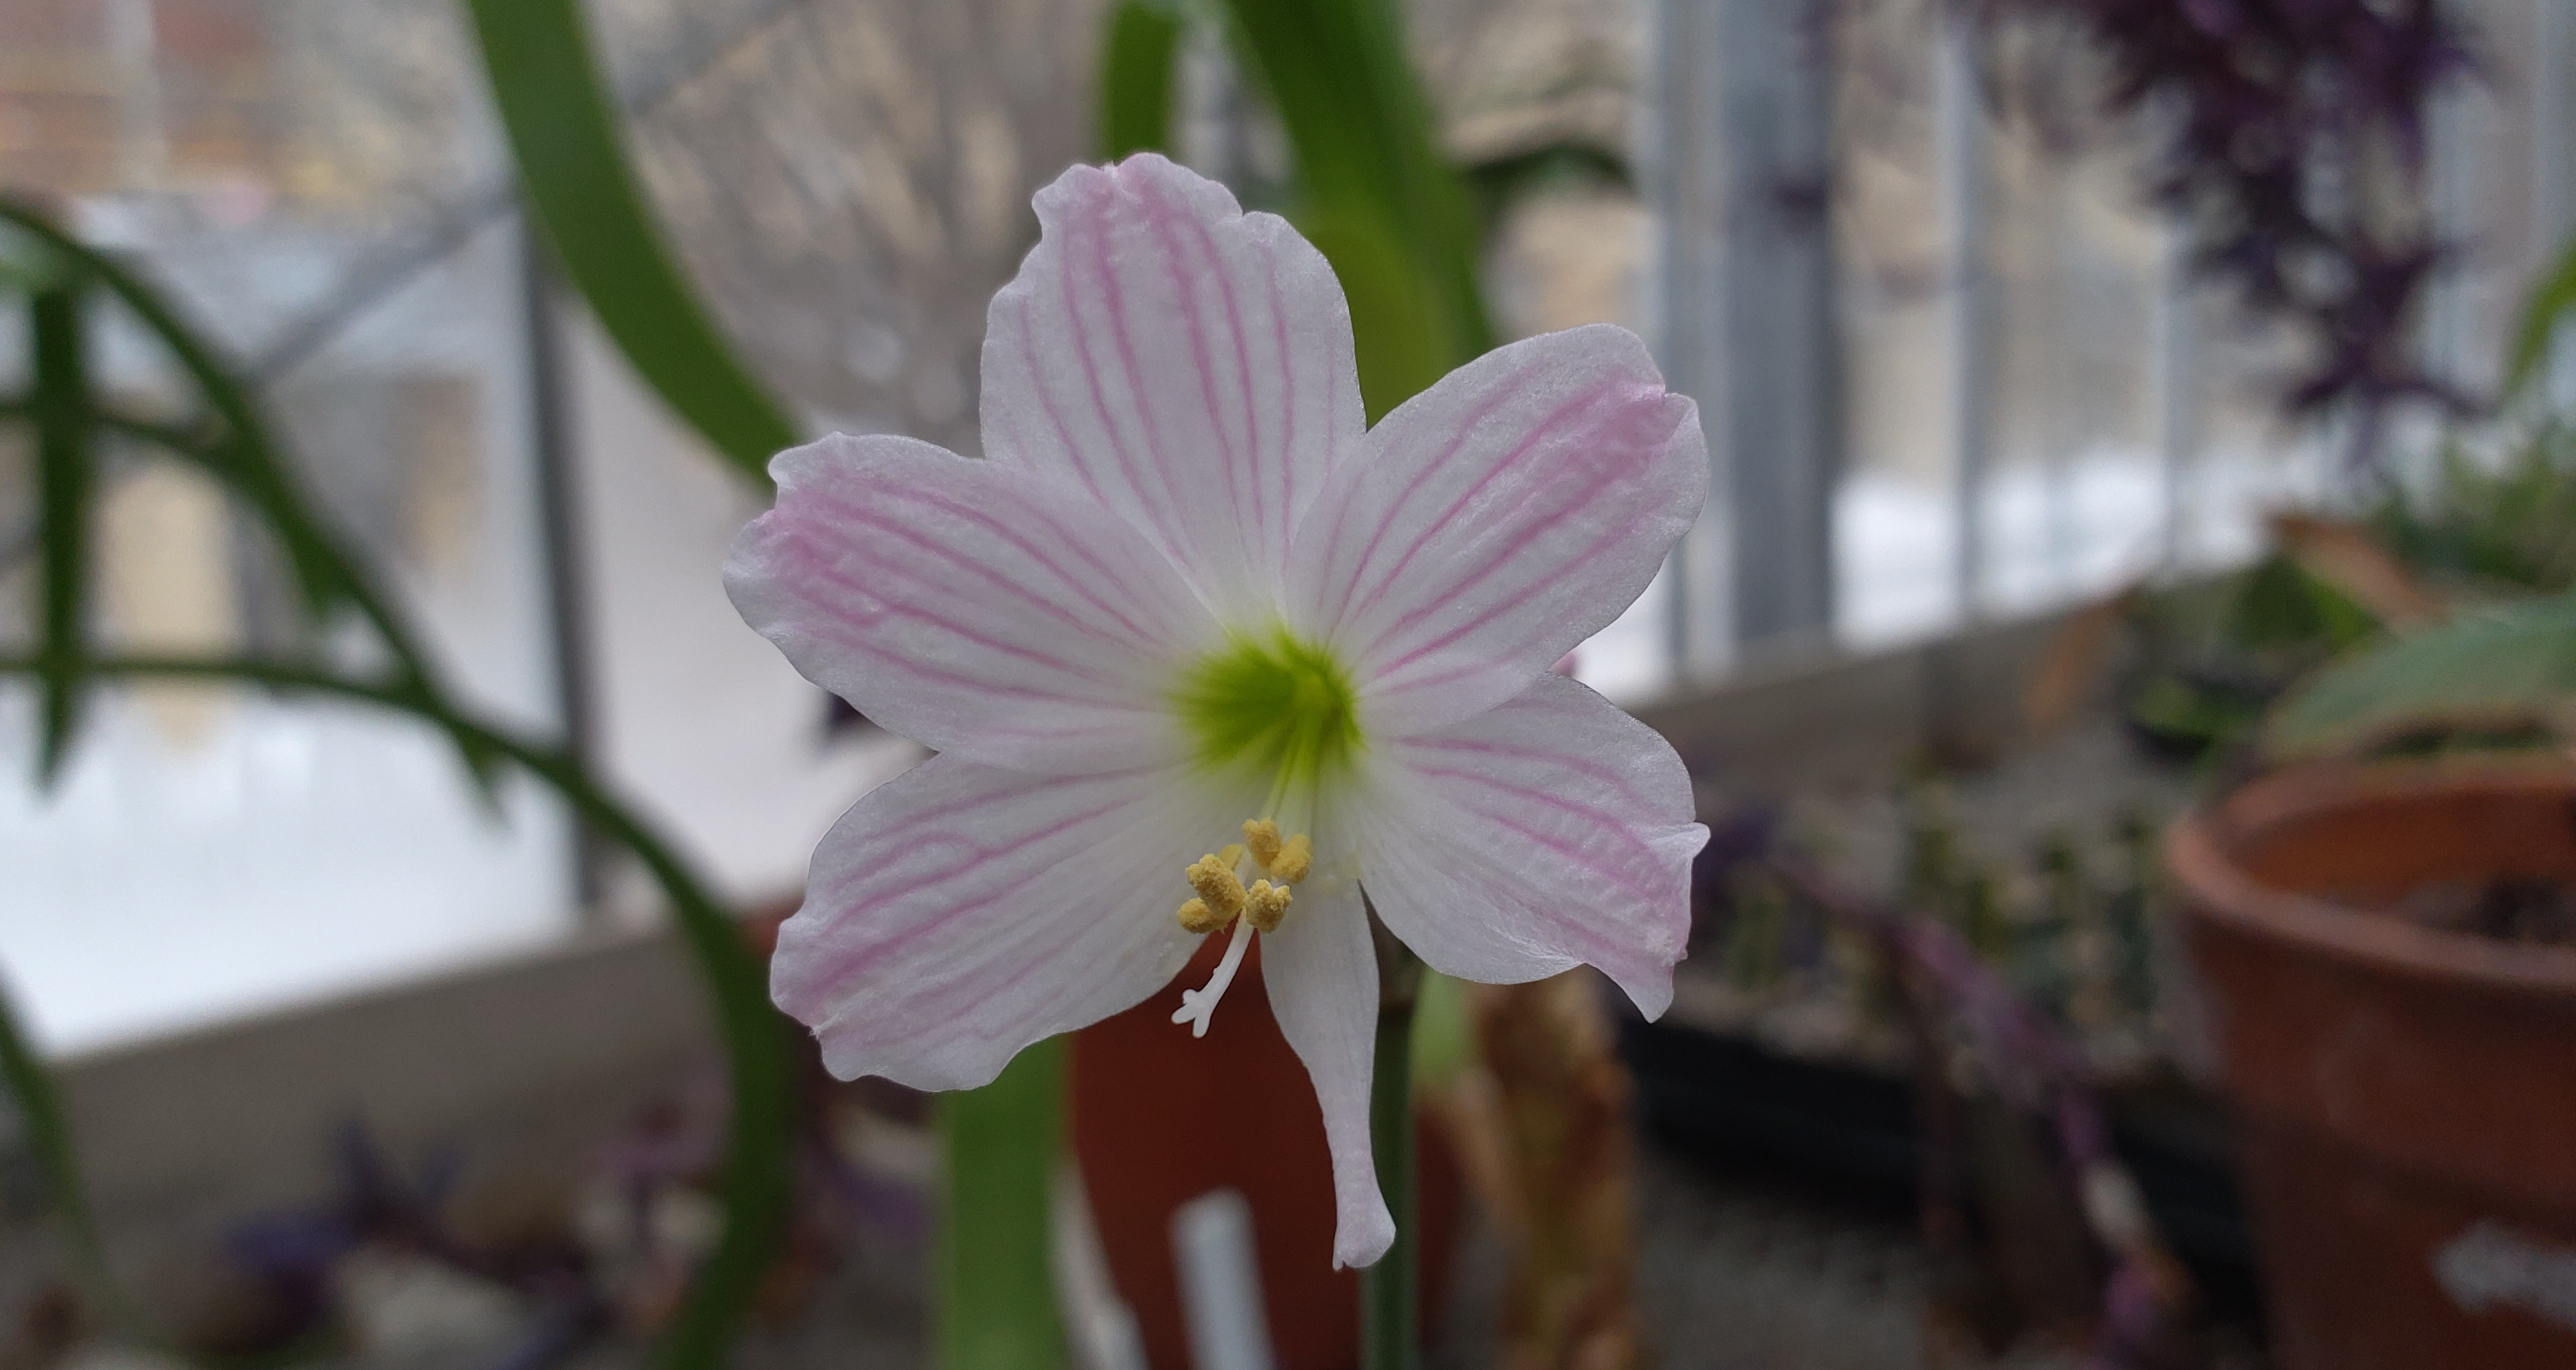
column 245, row 1114
column 1833, row 718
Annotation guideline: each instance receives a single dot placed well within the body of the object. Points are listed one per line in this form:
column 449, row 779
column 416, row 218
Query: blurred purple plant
column 2294, row 137
column 293, row 1254
column 2029, row 1064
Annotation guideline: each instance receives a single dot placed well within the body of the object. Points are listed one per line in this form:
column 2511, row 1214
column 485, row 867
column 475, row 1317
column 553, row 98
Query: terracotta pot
column 1159, row 1118
column 2409, row 1094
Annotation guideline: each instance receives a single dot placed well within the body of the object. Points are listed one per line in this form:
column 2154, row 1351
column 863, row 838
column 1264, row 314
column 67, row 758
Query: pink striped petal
column 1497, row 519
column 1551, row 831
column 968, row 606
column 1320, row 972
column 960, row 912
column 1187, row 363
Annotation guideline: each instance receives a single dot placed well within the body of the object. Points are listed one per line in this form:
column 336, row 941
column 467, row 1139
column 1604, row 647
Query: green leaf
column 1136, row 79
column 2494, row 672
column 757, row 1179
column 1500, row 180
column 1396, row 329
column 236, row 448
column 1373, row 190
column 2548, row 302
column 60, row 407
column 996, row 1289
column 563, row 130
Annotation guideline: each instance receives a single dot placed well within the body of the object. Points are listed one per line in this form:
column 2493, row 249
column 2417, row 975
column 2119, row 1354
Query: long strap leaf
column 563, row 131
column 1136, row 78
column 2548, row 304
column 60, row 407
column 1374, row 192
column 757, row 1177
column 235, row 448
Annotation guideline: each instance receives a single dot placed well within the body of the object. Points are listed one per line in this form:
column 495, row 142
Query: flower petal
column 1549, row 831
column 960, row 912
column 973, row 608
column 1187, row 363
column 1320, row 972
column 1497, row 519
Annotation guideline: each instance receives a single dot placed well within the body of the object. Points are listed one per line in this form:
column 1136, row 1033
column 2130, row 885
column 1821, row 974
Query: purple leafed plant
column 2294, row 137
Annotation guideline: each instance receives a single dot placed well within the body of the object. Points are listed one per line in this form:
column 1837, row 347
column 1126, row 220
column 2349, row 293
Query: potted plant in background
column 2384, row 929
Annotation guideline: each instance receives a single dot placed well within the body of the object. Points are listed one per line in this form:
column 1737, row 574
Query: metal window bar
column 1962, row 139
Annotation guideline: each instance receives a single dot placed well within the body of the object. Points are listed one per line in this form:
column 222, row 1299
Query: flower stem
column 1390, row 1300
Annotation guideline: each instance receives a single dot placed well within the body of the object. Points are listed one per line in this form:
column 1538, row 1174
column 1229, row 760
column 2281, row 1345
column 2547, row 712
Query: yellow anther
column 1215, row 880
column 1295, row 858
column 1264, row 905
column 1262, row 836
column 1230, row 853
column 1196, row 917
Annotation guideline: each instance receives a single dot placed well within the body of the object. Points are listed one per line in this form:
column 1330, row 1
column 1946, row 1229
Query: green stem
column 756, row 1179
column 996, row 1284
column 1390, row 1300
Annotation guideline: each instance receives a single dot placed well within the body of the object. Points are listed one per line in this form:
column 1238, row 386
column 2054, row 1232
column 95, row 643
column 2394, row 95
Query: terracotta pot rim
column 2199, row 851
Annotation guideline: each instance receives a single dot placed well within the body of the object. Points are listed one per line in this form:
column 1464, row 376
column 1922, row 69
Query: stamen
column 1218, row 878
column 1217, row 883
column 1294, row 859
column 1199, row 1005
column 1264, row 905
column 1197, row 917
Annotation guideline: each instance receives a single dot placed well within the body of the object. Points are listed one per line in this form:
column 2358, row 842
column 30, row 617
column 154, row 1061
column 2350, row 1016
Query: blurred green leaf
column 1498, row 181
column 1395, row 323
column 2282, row 606
column 1373, row 190
column 1136, row 71
column 1444, row 1032
column 59, row 367
column 234, row 446
column 2548, row 303
column 2489, row 524
column 997, row 1306
column 2494, row 672
column 572, row 164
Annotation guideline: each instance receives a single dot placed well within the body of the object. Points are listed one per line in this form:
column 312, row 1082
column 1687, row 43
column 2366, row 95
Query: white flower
column 1198, row 650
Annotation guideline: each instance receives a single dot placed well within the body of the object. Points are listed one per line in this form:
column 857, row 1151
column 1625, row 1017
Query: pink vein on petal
column 1116, row 299
column 1563, row 415
column 1607, row 820
column 849, row 961
column 1046, row 403
column 984, row 520
column 842, row 580
column 1162, row 216
column 1386, row 521
column 1598, row 483
column 1579, row 765
column 1288, row 401
column 1091, row 371
column 1608, row 539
